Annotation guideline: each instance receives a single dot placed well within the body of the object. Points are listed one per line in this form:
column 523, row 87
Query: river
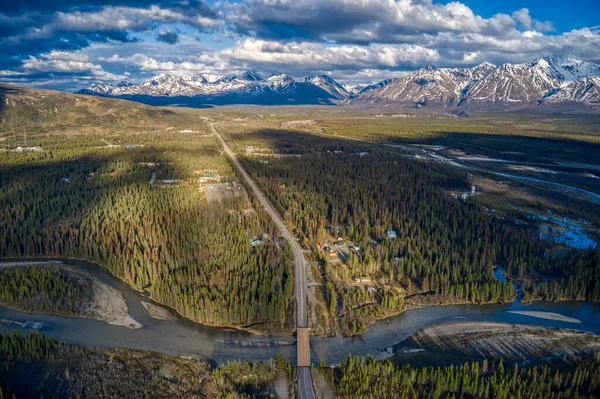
column 219, row 345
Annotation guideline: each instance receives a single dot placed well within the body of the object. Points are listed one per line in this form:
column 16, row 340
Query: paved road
column 305, row 384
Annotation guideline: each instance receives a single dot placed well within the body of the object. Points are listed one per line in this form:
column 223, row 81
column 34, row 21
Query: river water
column 219, row 345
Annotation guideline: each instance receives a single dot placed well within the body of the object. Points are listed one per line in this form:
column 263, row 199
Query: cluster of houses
column 327, row 249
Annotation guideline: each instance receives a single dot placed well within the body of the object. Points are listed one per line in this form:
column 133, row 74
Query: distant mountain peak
column 544, row 80
column 252, row 76
column 328, row 84
column 230, row 77
column 551, row 79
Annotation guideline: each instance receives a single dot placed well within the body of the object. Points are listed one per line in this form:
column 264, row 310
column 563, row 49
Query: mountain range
column 548, row 80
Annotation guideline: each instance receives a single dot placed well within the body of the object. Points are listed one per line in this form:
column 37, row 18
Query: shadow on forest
column 515, row 148
column 39, row 196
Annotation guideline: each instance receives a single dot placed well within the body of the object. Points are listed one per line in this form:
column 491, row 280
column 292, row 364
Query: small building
column 363, row 279
column 328, row 251
column 390, row 234
column 169, row 181
column 339, row 244
column 371, row 289
column 255, row 242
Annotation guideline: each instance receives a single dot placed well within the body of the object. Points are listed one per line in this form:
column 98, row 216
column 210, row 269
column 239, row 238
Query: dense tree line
column 31, row 347
column 191, row 255
column 444, row 246
column 369, row 378
column 36, row 366
column 45, row 289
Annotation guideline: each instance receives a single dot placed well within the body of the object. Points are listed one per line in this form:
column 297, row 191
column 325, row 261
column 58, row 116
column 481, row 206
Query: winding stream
column 219, row 345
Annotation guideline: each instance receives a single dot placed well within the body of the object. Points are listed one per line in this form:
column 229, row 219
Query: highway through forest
column 305, row 389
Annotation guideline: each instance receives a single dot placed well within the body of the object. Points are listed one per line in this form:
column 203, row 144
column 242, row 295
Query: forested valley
column 92, row 197
column 445, row 249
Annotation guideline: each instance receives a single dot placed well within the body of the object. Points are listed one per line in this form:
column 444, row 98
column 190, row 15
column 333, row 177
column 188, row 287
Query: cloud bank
column 66, row 44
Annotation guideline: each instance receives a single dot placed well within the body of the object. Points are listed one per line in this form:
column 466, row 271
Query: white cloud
column 66, row 62
column 126, row 18
column 359, row 21
column 354, row 40
column 315, row 56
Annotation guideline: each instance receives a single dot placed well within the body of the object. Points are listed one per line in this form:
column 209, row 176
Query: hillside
column 33, row 110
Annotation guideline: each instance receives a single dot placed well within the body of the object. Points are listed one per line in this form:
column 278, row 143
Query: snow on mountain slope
column 566, row 68
column 249, row 87
column 528, row 83
column 508, row 84
column 550, row 79
column 353, row 90
column 329, row 85
column 512, row 83
column 586, row 90
column 428, row 86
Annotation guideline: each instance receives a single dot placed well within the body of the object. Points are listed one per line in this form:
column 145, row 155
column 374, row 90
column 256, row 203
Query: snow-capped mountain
column 427, row 86
column 546, row 80
column 248, row 88
column 329, row 85
column 532, row 83
column 586, row 90
column 353, row 90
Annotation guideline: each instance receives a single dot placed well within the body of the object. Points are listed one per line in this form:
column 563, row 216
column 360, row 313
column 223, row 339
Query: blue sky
column 70, row 44
column 565, row 15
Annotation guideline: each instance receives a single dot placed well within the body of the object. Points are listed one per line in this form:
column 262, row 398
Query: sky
column 70, row 44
